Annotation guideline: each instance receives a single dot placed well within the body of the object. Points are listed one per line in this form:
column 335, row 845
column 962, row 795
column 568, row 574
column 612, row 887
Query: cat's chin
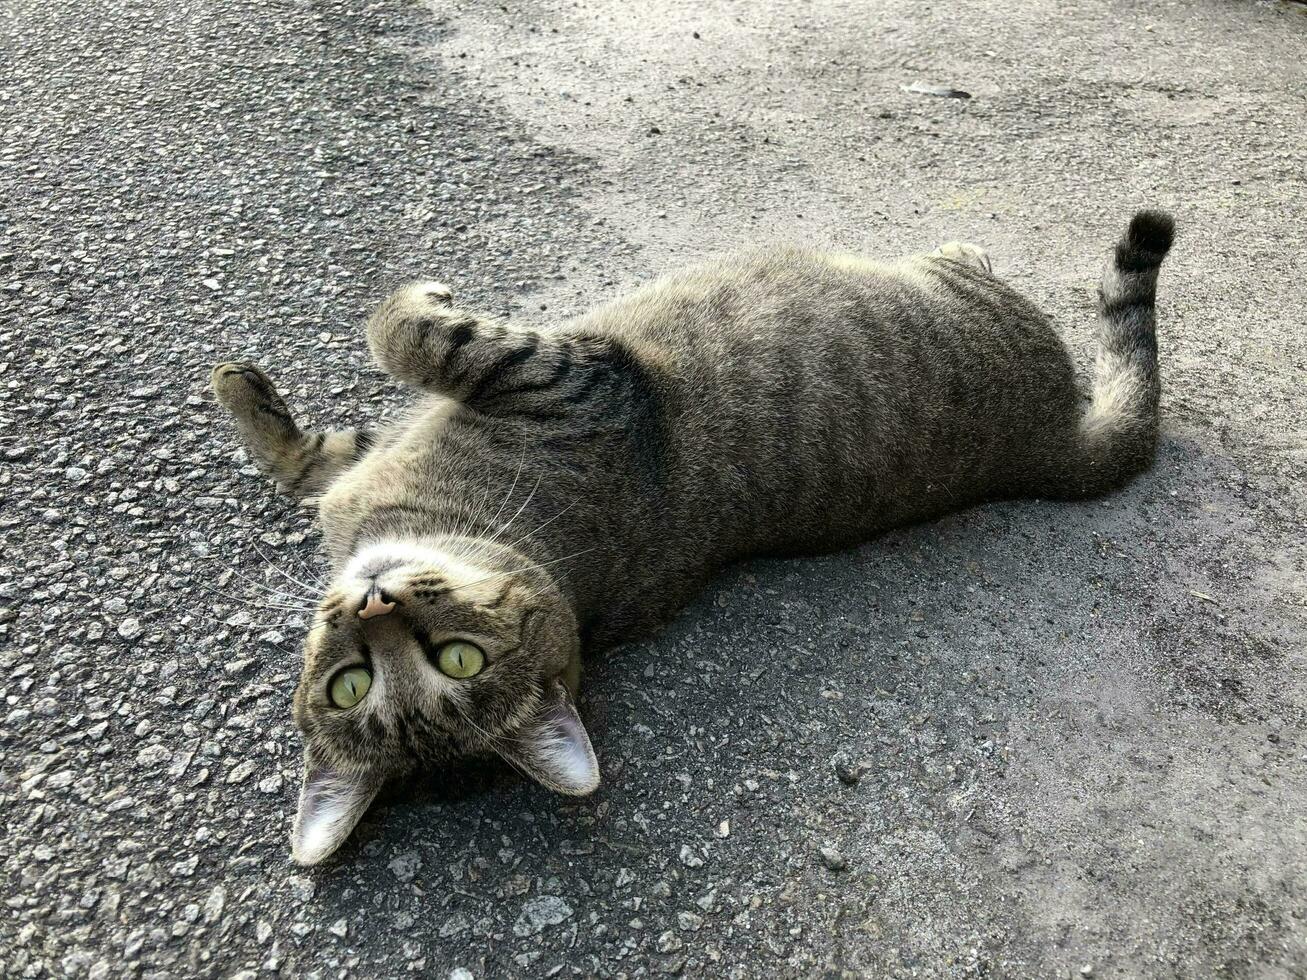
column 388, row 566
column 392, row 558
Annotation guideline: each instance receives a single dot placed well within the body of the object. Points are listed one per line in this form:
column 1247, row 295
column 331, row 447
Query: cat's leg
column 302, row 463
column 967, row 254
column 419, row 337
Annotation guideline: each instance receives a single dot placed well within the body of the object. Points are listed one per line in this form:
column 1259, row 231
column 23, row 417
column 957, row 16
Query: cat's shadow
column 872, row 616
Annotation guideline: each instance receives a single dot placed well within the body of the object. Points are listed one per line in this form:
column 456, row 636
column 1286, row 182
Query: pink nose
column 375, row 606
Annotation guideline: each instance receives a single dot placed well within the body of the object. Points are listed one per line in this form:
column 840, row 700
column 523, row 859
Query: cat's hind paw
column 967, row 254
column 416, row 332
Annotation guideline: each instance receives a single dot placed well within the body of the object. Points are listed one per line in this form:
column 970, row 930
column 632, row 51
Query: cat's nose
column 376, row 604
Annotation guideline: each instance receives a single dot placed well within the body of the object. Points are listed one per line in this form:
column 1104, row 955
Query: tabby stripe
column 1122, row 308
column 597, row 376
column 405, row 733
column 965, row 283
column 423, row 509
column 429, row 580
column 458, row 337
column 312, row 458
column 561, row 370
column 498, row 600
column 504, row 364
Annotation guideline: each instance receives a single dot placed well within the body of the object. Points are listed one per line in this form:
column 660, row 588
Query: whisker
column 285, row 624
column 524, row 568
column 260, row 602
column 280, row 571
column 509, row 523
column 542, row 526
column 521, row 458
column 266, row 588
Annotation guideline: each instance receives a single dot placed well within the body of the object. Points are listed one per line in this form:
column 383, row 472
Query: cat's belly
column 846, row 412
column 389, row 477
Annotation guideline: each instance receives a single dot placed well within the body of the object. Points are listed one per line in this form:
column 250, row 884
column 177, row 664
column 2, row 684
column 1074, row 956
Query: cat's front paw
column 246, row 392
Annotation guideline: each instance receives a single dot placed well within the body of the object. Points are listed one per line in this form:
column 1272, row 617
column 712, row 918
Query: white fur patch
column 329, row 808
column 395, row 562
column 573, row 760
column 1116, row 395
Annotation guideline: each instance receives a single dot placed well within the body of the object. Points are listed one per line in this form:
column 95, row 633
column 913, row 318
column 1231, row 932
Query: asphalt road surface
column 1029, row 740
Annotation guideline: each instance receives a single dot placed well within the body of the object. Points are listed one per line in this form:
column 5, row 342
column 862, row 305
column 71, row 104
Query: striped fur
column 573, row 485
column 1119, row 431
column 303, row 464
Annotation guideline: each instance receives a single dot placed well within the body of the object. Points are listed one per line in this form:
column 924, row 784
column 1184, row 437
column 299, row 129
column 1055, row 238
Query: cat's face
column 420, row 654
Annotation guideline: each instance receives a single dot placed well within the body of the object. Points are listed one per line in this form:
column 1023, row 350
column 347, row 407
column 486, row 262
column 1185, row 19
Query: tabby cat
column 570, row 487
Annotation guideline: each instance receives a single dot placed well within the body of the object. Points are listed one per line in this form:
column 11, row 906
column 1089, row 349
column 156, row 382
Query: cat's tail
column 1118, row 432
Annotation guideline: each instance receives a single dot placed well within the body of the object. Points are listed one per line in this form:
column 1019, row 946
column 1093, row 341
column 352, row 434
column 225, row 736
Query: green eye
column 460, row 660
column 350, row 686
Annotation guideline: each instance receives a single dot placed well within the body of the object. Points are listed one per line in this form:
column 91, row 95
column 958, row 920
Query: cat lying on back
column 571, row 487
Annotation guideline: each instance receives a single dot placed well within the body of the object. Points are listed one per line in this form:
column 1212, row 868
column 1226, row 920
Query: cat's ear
column 553, row 747
column 331, row 803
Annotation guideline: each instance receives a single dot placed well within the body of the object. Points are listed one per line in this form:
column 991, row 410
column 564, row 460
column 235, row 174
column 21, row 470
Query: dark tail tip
column 1147, row 241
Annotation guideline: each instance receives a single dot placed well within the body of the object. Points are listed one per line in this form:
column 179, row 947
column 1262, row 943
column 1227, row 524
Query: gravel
column 1076, row 728
column 832, row 859
column 540, row 913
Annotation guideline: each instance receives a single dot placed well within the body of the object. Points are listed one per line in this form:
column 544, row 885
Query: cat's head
column 421, row 653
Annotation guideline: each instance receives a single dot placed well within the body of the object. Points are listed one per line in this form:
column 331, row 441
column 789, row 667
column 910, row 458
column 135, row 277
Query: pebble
column 242, row 772
column 669, row 942
column 833, row 859
column 153, row 755
column 539, row 913
column 214, row 904
column 455, row 925
column 689, row 921
column 301, row 888
column 406, row 865
column 272, row 784
column 846, row 769
column 130, row 628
